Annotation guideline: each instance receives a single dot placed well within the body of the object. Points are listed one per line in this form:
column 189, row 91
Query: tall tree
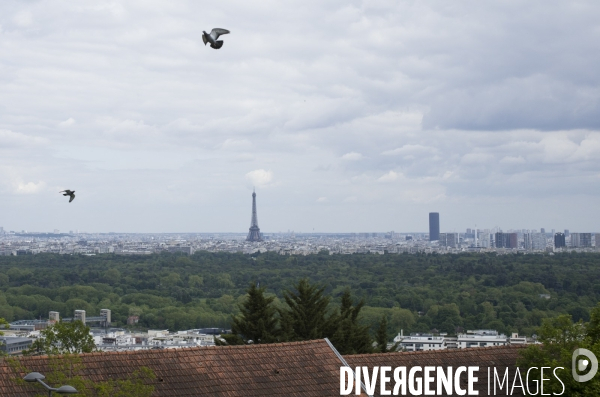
column 307, row 316
column 258, row 320
column 350, row 337
column 63, row 338
column 382, row 337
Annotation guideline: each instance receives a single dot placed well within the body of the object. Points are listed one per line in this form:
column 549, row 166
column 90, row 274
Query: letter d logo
column 583, row 364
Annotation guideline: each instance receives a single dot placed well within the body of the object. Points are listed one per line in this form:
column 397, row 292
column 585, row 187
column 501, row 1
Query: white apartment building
column 421, row 342
column 481, row 338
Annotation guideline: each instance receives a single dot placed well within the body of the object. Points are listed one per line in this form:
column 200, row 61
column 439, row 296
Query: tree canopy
column 559, row 338
column 417, row 292
column 63, row 338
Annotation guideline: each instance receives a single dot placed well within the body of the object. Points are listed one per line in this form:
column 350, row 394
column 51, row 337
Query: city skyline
column 354, row 117
column 424, row 232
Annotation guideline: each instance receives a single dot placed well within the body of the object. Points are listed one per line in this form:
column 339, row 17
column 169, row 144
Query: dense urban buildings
column 292, row 243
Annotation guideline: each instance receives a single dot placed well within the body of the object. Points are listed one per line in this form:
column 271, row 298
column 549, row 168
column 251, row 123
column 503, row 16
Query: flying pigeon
column 70, row 193
column 213, row 36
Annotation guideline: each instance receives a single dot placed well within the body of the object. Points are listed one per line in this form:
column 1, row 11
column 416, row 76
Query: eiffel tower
column 254, row 233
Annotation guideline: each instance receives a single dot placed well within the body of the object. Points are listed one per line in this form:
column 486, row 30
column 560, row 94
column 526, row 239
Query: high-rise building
column 452, row 240
column 559, row 240
column 449, row 240
column 434, row 226
column 254, row 232
column 542, row 230
column 539, row 242
column 512, row 241
column 574, row 240
column 442, row 240
column 506, row 240
column 534, row 241
column 527, row 241
column 585, row 239
column 581, row 240
column 483, row 239
column 566, row 232
column 597, row 238
column 499, row 241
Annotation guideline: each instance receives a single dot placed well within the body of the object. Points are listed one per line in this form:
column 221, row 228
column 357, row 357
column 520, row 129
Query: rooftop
column 308, row 368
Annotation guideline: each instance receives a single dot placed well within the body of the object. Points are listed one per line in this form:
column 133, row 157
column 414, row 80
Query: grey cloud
column 449, row 104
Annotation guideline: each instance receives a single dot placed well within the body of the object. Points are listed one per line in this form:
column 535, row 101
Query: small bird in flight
column 213, row 36
column 70, row 193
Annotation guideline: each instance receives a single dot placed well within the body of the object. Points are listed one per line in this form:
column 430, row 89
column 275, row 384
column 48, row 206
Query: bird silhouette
column 70, row 193
column 213, row 36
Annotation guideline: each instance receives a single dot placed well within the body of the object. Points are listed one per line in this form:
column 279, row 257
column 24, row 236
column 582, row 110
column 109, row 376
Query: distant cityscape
column 291, row 243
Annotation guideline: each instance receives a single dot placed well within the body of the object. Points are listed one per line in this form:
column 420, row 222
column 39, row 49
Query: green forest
column 415, row 292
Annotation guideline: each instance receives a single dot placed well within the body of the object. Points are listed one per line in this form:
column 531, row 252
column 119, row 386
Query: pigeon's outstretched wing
column 70, row 193
column 216, row 32
column 204, row 39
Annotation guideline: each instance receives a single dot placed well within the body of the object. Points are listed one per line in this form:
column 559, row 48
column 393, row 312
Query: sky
column 345, row 116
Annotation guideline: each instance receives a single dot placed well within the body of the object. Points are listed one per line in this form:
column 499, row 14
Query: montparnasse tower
column 254, row 233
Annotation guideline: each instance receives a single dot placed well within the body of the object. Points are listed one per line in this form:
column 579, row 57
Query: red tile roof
column 308, row 368
column 284, row 369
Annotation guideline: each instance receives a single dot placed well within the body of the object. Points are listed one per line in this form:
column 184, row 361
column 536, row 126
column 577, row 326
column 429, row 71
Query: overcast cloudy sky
column 346, row 116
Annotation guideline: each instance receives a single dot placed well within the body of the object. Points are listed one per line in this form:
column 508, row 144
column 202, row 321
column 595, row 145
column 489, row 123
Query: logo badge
column 583, row 364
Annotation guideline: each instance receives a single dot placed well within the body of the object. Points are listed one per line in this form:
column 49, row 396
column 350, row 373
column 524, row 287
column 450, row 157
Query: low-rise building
column 420, row 342
column 14, row 345
column 481, row 338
